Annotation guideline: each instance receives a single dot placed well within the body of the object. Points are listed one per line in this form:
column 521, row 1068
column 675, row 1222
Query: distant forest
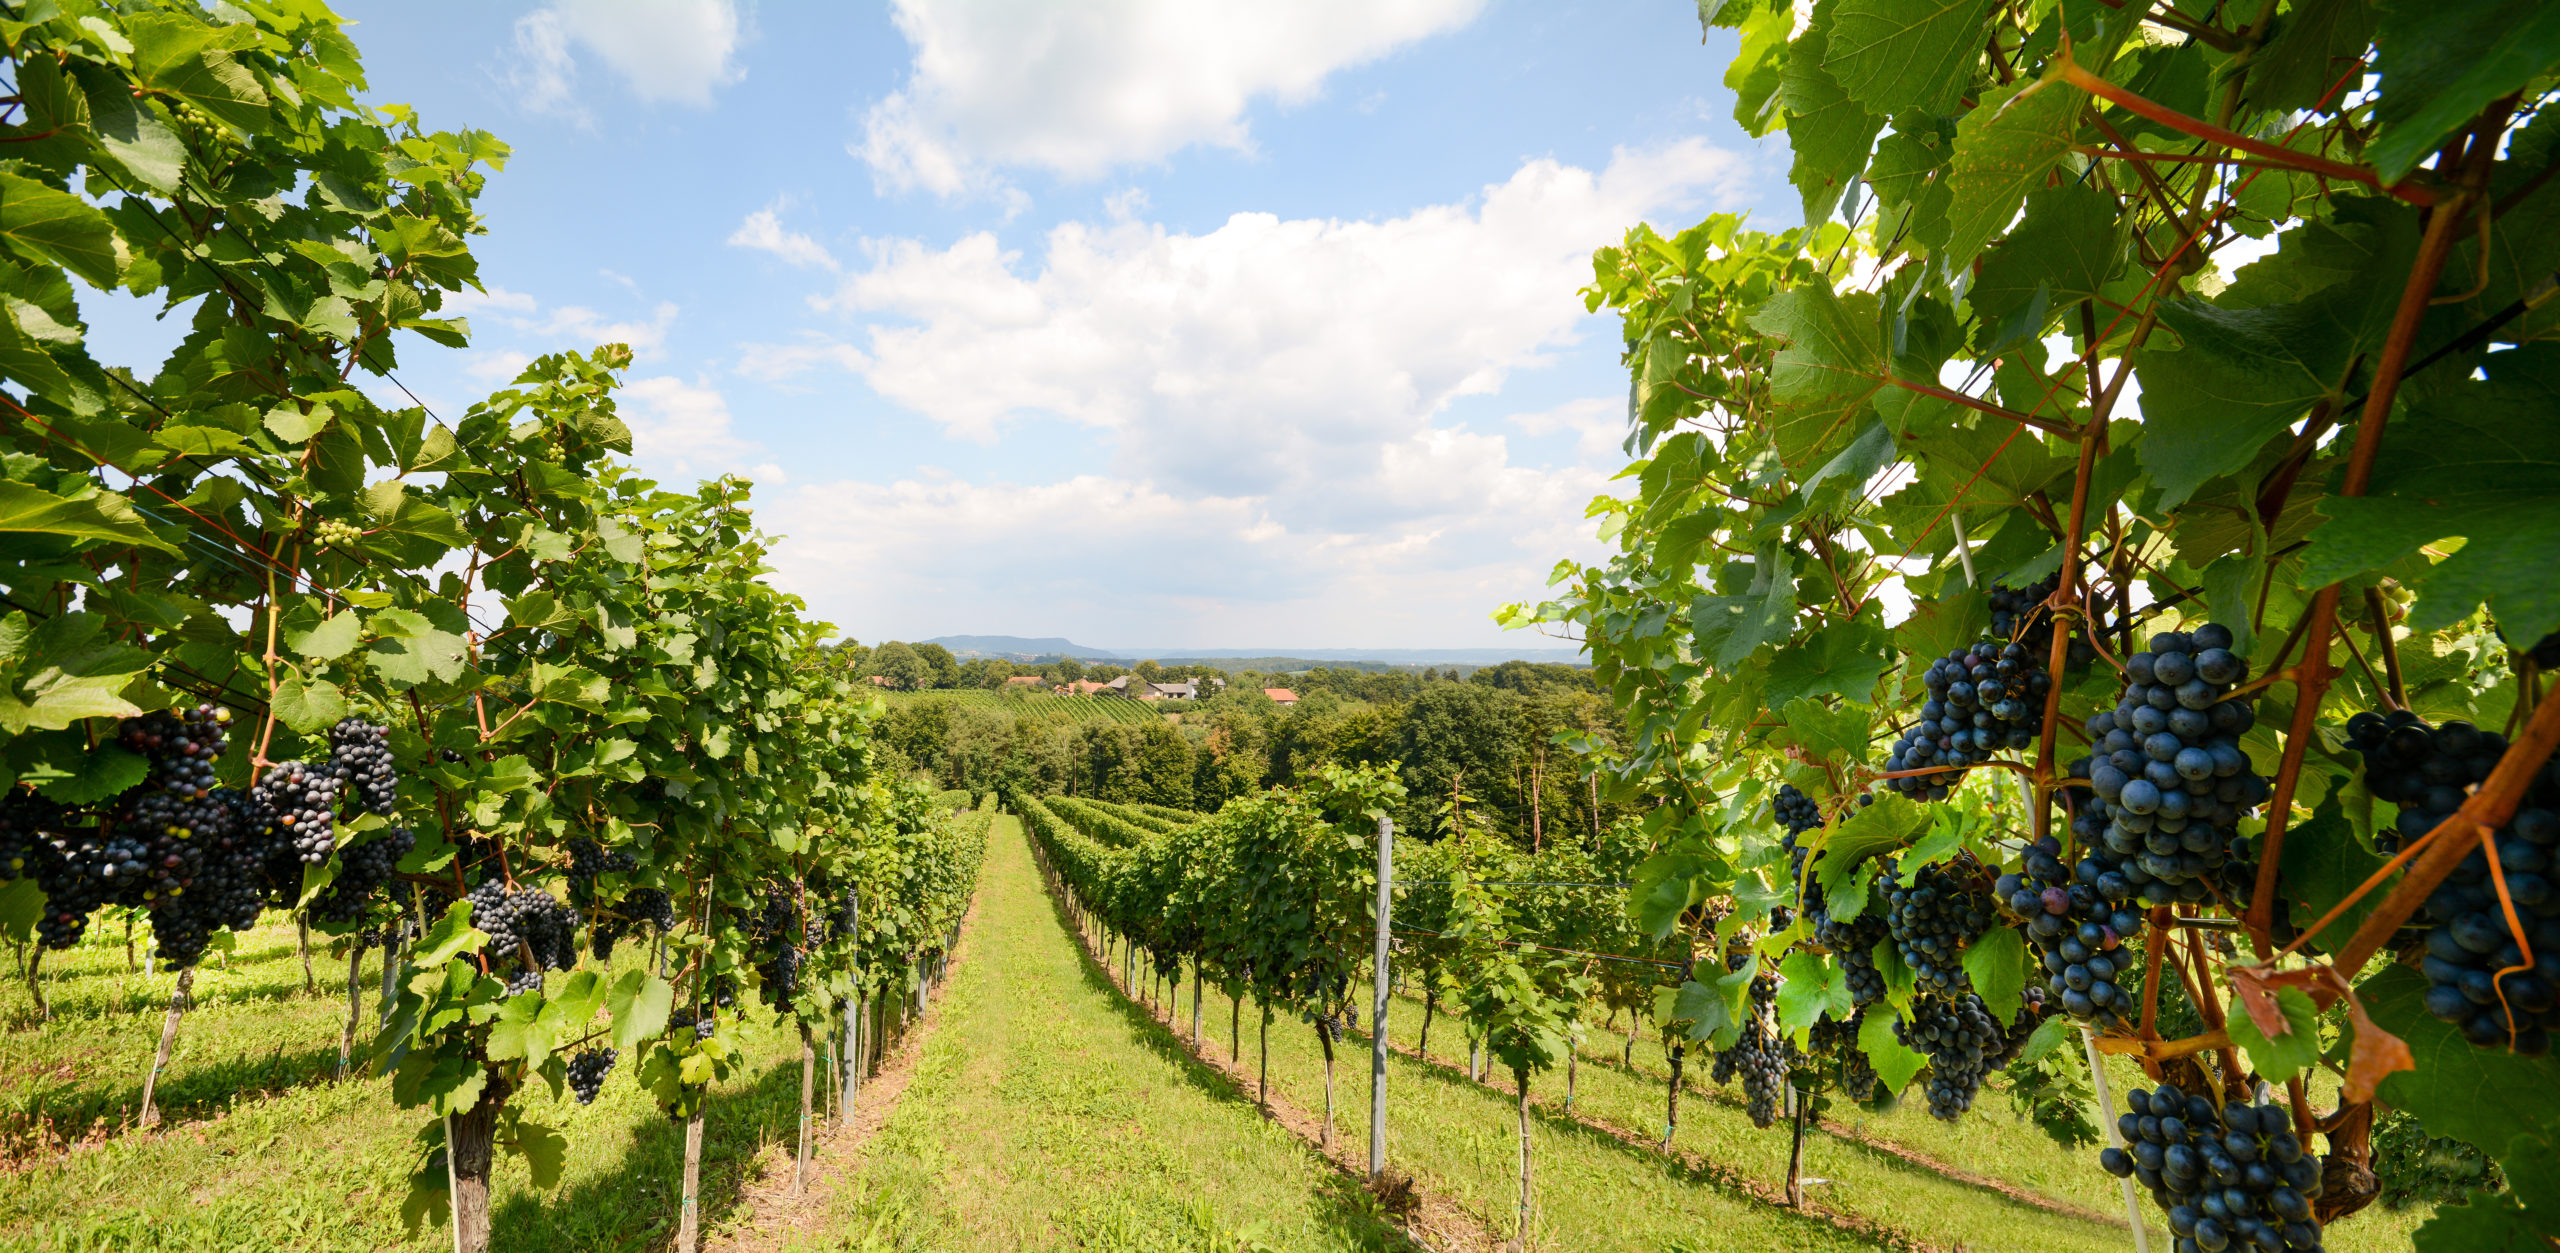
column 1487, row 740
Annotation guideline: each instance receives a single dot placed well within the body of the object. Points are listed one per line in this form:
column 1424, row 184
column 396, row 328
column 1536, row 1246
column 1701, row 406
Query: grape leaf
column 96, row 775
column 42, row 224
column 1893, row 55
column 2003, row 150
column 1809, row 988
column 1895, row 1062
column 2308, row 51
column 1832, row 364
column 1997, row 964
column 2279, row 1057
column 2477, row 462
column 1827, row 130
column 544, row 1150
column 21, row 904
column 2442, row 61
column 307, row 705
column 2069, row 245
column 640, row 1003
column 1844, row 659
column 2485, row 1096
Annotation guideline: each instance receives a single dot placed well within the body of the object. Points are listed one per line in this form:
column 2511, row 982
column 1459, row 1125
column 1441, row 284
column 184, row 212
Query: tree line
column 1490, row 749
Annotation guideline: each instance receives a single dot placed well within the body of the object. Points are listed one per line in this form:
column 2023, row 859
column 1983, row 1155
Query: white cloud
column 1081, row 88
column 764, row 232
column 1088, row 556
column 1276, row 398
column 496, row 299
column 778, row 363
column 1267, row 356
column 664, row 50
column 684, row 430
column 579, row 327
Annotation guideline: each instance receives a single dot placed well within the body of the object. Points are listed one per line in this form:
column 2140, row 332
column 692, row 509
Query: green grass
column 260, row 1151
column 1047, row 1112
column 1460, row 1139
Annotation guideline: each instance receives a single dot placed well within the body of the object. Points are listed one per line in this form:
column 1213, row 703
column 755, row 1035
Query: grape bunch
column 2171, row 780
column 1763, row 1057
column 360, row 870
column 1964, row 1044
column 525, row 920
column 2018, row 614
column 587, row 1071
column 1794, row 810
column 1983, row 700
column 361, row 754
column 774, row 934
column 2427, row 771
column 25, row 818
column 638, row 906
column 2478, row 976
column 2230, row 1178
column 587, row 859
column 1932, row 920
column 1853, row 945
column 2076, row 927
column 331, row 533
column 301, row 799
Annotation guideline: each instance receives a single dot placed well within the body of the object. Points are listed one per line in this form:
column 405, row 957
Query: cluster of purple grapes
column 587, row 1071
column 1935, row 917
column 1763, row 1057
column 2077, row 930
column 2478, row 975
column 2171, row 780
column 2427, row 771
column 2229, row 1178
column 1983, row 701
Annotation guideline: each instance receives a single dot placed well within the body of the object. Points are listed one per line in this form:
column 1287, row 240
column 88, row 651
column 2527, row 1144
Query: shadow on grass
column 1344, row 1204
column 191, row 1093
column 633, row 1204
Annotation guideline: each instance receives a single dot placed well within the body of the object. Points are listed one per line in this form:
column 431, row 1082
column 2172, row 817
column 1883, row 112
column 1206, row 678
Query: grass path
column 1047, row 1112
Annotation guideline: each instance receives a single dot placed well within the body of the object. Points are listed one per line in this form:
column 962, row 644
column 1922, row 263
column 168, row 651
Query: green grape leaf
column 2049, row 1035
column 1843, row 659
column 2308, row 52
column 2442, row 61
column 640, row 1003
column 97, row 516
column 328, row 639
column 1895, row 1062
column 1893, row 55
column 43, row 224
column 545, row 1152
column 2003, row 150
column 104, row 772
column 1827, row 130
column 2279, row 1057
column 309, row 705
column 21, row 905
column 1808, row 989
column 1832, row 364
column 1997, row 964
column 2485, row 1096
column 2069, row 246
column 1826, row 733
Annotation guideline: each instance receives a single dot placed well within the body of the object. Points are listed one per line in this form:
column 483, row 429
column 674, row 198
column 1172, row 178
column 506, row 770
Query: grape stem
column 2079, row 76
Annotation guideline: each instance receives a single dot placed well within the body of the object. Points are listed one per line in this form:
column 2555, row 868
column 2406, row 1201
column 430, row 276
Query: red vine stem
column 2314, row 668
column 2079, row 76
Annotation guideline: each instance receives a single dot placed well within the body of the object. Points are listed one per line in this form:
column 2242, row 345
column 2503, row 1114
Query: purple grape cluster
column 2171, row 780
column 2427, row 771
column 2236, row 1177
column 2078, row 931
column 1983, row 701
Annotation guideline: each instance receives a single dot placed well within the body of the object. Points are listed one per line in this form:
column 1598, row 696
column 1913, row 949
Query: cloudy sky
column 1147, row 323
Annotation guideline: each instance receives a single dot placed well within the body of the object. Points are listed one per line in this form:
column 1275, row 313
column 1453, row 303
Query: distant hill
column 1020, row 648
column 1023, row 648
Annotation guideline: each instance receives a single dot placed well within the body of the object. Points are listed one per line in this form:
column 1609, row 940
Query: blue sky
column 1146, row 324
